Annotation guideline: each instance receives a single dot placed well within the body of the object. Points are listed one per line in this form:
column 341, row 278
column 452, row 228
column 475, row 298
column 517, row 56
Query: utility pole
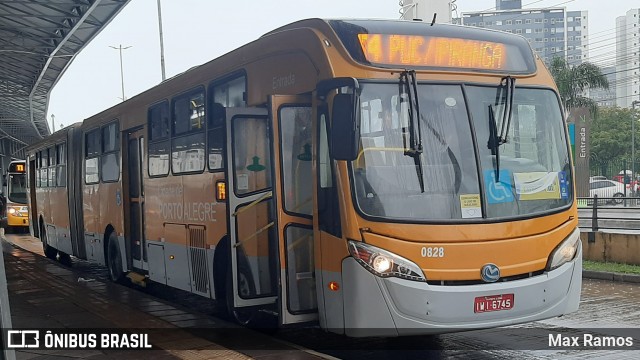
column 53, row 122
column 633, row 142
column 120, row 48
column 161, row 41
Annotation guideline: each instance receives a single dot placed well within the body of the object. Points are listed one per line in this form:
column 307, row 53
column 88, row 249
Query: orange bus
column 377, row 177
column 16, row 201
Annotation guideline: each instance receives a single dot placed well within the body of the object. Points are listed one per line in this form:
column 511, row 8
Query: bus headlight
column 565, row 252
column 17, row 211
column 384, row 263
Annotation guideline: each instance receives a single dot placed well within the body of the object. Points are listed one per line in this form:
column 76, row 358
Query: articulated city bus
column 16, row 200
column 377, row 177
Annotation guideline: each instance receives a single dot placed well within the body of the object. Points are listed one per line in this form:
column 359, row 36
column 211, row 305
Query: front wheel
column 114, row 259
column 246, row 288
column 618, row 198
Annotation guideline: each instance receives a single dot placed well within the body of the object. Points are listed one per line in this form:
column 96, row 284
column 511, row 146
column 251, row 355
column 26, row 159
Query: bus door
column 297, row 300
column 33, row 208
column 251, row 206
column 135, row 237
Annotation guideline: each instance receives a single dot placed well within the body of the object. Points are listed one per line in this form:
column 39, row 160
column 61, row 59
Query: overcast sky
column 196, row 31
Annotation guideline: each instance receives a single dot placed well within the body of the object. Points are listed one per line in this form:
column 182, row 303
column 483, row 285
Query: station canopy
column 38, row 41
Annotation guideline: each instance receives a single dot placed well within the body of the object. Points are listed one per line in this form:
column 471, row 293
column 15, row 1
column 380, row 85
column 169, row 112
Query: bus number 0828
column 435, row 251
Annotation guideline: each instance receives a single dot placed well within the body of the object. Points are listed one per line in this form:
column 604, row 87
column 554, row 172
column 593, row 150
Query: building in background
column 628, row 58
column 606, row 97
column 424, row 10
column 551, row 31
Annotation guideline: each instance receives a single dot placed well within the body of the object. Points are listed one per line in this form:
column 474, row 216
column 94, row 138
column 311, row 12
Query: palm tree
column 572, row 81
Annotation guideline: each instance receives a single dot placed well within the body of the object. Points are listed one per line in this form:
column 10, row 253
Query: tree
column 611, row 134
column 572, row 81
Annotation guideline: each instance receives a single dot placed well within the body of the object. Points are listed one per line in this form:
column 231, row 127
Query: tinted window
column 188, row 113
column 110, row 158
column 158, row 117
column 92, row 143
column 110, row 138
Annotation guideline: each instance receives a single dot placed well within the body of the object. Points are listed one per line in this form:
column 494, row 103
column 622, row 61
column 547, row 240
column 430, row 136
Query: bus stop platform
column 44, row 294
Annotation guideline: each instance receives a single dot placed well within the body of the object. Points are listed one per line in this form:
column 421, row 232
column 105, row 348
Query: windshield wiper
column 408, row 79
column 495, row 140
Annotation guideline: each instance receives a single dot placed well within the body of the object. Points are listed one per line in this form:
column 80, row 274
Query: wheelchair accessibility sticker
column 498, row 191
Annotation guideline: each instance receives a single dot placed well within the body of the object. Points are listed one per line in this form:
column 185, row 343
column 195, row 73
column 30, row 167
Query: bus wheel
column 246, row 289
column 49, row 251
column 64, row 258
column 114, row 260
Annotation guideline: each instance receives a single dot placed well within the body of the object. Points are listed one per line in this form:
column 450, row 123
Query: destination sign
column 417, row 50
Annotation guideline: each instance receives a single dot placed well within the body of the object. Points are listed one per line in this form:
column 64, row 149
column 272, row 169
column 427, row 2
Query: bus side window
column 215, row 137
column 92, row 154
column 187, row 145
column 44, row 163
column 110, row 159
column 159, row 142
column 62, row 160
column 226, row 92
column 52, row 167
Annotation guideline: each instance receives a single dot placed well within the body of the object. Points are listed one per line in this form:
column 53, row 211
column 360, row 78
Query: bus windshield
column 17, row 188
column 461, row 177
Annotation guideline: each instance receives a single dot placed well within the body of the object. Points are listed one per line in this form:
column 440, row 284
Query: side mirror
column 345, row 128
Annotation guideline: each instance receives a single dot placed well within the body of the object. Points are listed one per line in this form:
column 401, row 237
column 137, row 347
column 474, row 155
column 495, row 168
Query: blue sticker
column 498, row 192
column 564, row 186
column 118, row 197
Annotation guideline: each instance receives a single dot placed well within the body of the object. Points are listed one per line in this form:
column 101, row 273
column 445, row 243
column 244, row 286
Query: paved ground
column 45, row 294
column 605, row 304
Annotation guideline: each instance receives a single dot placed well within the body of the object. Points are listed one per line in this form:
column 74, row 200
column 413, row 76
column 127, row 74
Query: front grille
column 480, row 282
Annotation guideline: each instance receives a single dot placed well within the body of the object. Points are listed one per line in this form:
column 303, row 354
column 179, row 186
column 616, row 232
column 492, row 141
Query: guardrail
column 600, row 213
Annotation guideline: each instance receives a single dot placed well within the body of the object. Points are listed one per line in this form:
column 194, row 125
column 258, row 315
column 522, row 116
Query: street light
column 161, row 40
column 120, row 48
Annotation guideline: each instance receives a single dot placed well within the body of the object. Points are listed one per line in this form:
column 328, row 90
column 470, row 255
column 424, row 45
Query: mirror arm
column 327, row 85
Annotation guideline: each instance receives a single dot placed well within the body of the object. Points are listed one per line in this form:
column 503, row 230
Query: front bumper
column 375, row 306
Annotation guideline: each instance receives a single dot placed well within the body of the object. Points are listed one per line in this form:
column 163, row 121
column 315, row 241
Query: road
column 606, row 308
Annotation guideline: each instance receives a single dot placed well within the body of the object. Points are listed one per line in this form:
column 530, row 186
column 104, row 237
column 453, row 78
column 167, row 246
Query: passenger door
column 251, row 207
column 135, row 237
column 292, row 135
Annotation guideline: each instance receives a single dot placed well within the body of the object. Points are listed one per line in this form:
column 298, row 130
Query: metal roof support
column 61, row 43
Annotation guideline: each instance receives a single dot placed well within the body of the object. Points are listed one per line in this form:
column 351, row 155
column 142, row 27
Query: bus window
column 159, row 143
column 62, row 160
column 17, row 188
column 44, row 163
column 52, row 167
column 215, row 137
column 295, row 142
column 252, row 165
column 187, row 147
column 188, row 113
column 109, row 160
column 92, row 152
column 230, row 93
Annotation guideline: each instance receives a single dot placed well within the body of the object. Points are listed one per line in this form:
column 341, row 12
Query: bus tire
column 114, row 259
column 49, row 251
column 64, row 258
column 242, row 316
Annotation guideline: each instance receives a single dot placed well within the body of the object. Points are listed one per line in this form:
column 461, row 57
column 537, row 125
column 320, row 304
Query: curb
column 610, row 276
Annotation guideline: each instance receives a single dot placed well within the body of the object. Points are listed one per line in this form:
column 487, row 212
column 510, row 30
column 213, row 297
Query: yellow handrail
column 254, row 234
column 254, row 203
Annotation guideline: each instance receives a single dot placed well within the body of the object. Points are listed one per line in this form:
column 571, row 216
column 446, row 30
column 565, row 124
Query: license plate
column 493, row 303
